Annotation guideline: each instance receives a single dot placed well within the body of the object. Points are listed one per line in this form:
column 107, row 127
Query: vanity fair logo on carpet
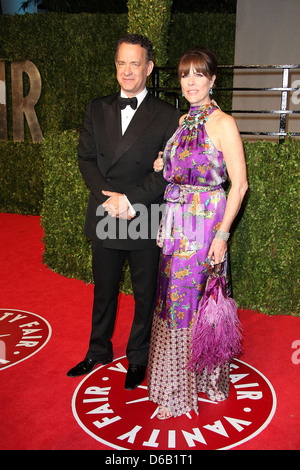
column 22, row 334
column 126, row 420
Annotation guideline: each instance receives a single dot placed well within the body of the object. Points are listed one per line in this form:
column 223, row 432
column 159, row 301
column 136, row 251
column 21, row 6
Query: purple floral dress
column 195, row 205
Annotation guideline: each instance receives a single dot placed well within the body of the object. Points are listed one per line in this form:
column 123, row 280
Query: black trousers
column 107, row 272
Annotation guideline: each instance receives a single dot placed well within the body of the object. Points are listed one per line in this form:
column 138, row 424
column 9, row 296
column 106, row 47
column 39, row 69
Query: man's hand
column 126, row 215
column 116, row 205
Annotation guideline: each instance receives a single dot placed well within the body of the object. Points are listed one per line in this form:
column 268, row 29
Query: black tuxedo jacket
column 112, row 162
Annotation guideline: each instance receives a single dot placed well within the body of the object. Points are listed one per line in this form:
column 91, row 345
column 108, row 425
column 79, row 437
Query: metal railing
column 283, row 112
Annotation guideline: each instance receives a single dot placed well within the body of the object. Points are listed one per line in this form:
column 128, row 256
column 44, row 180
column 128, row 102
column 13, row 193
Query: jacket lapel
column 112, row 120
column 141, row 119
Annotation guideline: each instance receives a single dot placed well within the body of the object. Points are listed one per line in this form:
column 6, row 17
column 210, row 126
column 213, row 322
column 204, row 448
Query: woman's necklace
column 197, row 116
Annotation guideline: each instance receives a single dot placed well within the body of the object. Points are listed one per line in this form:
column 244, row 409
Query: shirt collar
column 140, row 96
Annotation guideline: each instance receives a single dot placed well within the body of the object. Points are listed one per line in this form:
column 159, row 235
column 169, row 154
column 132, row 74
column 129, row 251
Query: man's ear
column 150, row 66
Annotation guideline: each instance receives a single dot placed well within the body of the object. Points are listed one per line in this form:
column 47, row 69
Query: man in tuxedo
column 118, row 144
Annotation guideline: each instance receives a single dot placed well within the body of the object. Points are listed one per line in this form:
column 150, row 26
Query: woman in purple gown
column 194, row 230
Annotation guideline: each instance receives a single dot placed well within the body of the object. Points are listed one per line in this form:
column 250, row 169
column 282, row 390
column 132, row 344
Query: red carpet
column 36, row 395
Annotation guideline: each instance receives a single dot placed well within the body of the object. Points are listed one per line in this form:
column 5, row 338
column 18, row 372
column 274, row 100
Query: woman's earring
column 182, row 94
column 211, row 91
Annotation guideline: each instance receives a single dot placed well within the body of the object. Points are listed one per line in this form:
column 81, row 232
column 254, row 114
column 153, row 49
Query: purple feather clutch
column 216, row 333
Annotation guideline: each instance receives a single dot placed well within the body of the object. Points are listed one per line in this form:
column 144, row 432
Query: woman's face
column 195, row 87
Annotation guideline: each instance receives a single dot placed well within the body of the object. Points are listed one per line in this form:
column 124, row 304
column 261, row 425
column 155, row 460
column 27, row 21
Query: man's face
column 132, row 68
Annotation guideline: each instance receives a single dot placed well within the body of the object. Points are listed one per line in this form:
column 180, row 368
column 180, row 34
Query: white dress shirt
column 128, row 113
column 126, row 116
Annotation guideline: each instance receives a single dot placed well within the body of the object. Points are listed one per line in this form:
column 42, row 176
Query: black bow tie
column 123, row 102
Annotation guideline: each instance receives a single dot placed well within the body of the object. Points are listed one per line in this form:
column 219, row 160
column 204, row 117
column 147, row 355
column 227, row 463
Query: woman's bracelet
column 222, row 235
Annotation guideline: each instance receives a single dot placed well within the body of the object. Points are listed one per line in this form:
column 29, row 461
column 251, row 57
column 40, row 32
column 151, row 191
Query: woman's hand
column 159, row 163
column 217, row 250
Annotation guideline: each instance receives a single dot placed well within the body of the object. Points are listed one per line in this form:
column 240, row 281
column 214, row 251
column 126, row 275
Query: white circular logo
column 124, row 419
column 22, row 334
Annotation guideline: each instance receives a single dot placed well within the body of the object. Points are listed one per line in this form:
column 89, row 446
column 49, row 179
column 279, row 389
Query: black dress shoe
column 84, row 367
column 135, row 376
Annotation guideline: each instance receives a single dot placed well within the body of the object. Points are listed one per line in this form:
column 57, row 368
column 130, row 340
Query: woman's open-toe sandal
column 164, row 413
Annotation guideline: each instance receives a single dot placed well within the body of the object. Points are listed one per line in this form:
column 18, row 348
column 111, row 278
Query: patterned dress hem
column 170, row 383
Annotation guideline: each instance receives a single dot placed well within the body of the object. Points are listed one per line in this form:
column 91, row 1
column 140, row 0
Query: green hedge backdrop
column 74, row 54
